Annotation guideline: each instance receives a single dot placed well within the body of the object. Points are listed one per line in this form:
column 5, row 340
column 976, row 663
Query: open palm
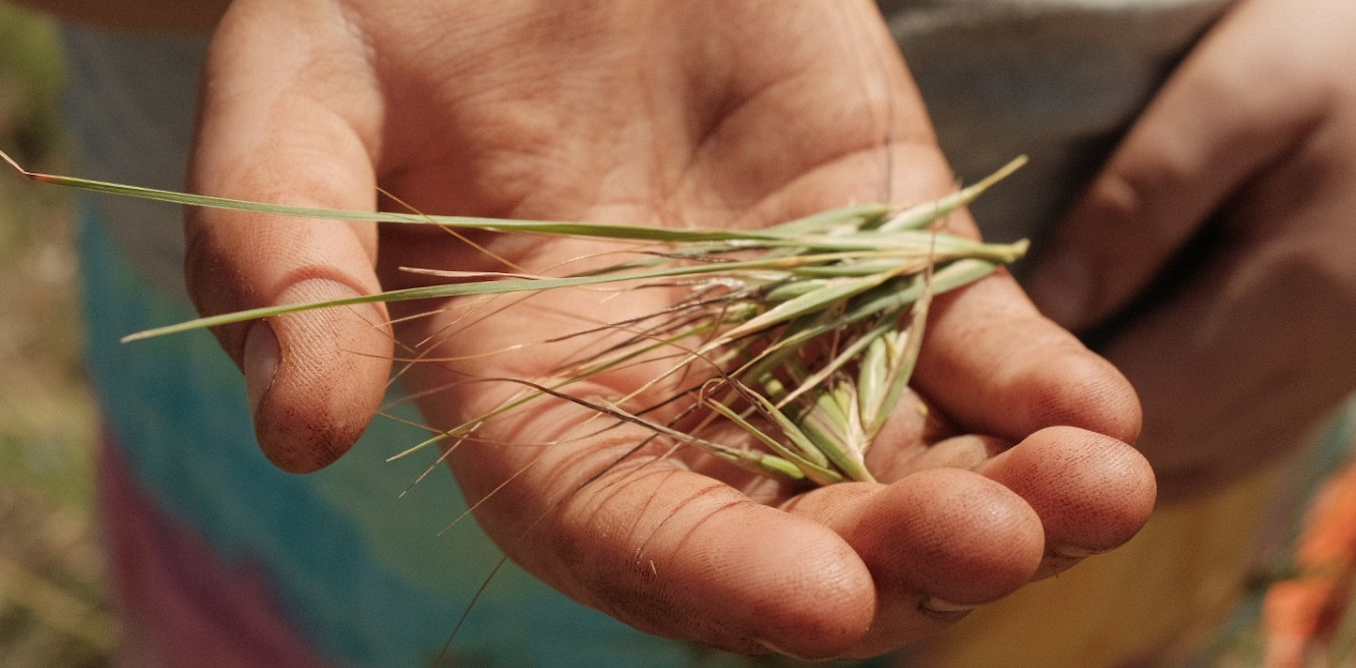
column 672, row 114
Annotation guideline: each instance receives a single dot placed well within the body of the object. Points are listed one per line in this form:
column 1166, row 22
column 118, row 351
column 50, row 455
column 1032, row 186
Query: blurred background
column 53, row 607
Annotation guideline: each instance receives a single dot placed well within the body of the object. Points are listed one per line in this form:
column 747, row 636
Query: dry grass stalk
column 804, row 335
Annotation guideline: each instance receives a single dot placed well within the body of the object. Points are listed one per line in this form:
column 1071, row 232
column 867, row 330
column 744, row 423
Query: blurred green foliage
column 53, row 605
column 45, row 419
column 30, row 83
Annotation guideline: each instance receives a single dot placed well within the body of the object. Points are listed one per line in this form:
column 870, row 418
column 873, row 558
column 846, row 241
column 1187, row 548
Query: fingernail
column 1060, row 286
column 936, row 607
column 262, row 356
column 1071, row 552
column 777, row 650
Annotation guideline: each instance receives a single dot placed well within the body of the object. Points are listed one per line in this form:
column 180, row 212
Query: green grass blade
column 817, row 471
column 597, row 230
column 925, row 214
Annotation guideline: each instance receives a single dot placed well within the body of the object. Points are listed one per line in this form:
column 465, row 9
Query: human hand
column 1249, row 151
column 696, row 113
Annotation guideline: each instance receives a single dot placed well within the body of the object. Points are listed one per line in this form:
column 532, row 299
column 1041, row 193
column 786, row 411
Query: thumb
column 314, row 378
column 1229, row 110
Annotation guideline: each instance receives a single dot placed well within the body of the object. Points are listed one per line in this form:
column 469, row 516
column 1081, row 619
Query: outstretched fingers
column 854, row 569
